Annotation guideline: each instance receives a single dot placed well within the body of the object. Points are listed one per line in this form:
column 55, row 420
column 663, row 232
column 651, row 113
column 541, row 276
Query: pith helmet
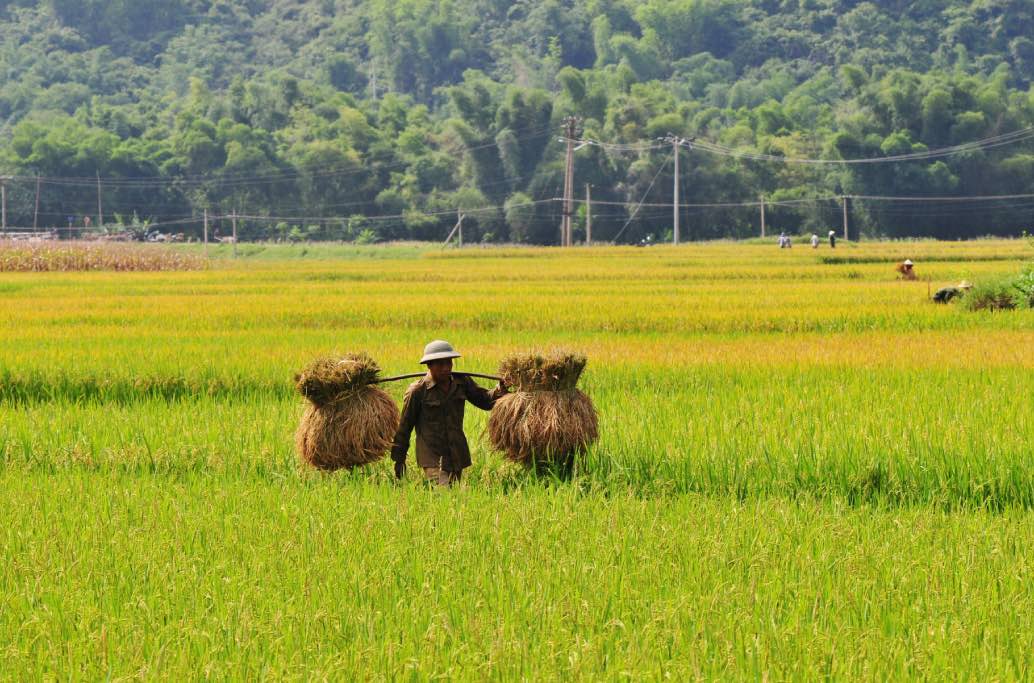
column 438, row 350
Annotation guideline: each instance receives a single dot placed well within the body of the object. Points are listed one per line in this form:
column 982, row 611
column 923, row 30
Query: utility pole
column 234, row 219
column 588, row 214
column 762, row 216
column 35, row 216
column 675, row 142
column 459, row 227
column 844, row 200
column 100, row 205
column 206, row 232
column 570, row 131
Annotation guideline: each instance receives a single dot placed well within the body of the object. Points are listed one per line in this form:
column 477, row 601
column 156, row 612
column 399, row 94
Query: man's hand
column 400, row 469
column 501, row 388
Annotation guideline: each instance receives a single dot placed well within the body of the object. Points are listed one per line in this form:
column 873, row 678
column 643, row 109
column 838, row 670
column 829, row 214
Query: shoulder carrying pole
column 415, row 375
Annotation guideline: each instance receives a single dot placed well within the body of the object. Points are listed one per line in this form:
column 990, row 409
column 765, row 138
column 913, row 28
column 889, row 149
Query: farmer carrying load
column 906, row 270
column 434, row 406
column 946, row 294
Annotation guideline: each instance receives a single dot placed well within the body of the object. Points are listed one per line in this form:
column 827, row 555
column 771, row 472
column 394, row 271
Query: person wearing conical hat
column 946, row 294
column 433, row 406
column 907, row 270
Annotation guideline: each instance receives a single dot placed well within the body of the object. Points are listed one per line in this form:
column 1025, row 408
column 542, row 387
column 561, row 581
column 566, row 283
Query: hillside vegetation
column 341, row 119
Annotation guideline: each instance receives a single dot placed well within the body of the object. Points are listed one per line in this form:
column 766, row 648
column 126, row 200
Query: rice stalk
column 546, row 419
column 327, row 379
column 355, row 429
column 551, row 371
column 349, row 421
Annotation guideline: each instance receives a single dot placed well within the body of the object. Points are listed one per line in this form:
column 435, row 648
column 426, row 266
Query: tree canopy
column 335, row 119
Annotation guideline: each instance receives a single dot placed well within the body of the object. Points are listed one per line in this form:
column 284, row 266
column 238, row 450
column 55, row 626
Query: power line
column 944, row 198
column 449, row 212
column 991, row 142
column 904, row 199
column 645, row 195
column 716, row 205
column 986, row 143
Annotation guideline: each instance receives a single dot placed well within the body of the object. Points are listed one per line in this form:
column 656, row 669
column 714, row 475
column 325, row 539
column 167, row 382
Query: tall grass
column 111, row 575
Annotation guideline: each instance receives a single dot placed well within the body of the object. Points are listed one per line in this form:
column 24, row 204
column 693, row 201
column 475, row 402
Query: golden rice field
column 805, row 469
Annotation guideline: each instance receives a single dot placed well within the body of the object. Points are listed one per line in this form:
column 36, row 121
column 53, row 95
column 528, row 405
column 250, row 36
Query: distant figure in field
column 814, row 241
column 782, row 240
column 832, row 239
column 946, row 294
column 906, row 270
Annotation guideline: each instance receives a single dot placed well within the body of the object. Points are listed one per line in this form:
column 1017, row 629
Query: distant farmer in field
column 832, row 239
column 434, row 407
column 946, row 294
column 814, row 240
column 906, row 269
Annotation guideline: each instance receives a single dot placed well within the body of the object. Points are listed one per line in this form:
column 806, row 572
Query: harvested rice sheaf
column 555, row 371
column 327, row 379
column 350, row 421
column 546, row 418
column 357, row 430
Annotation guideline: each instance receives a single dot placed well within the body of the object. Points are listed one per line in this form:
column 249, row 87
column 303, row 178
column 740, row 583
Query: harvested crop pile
column 68, row 257
column 350, row 421
column 546, row 419
column 326, row 379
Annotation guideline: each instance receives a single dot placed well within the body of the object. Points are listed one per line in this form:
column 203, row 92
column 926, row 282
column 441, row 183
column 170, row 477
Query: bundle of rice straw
column 546, row 419
column 350, row 421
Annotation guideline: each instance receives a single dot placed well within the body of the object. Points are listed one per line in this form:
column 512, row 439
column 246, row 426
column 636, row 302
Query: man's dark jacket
column 437, row 415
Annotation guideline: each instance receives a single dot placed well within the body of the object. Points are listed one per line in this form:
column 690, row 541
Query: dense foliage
column 376, row 120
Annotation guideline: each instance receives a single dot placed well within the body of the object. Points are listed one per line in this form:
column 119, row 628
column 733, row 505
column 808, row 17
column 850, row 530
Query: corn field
column 41, row 257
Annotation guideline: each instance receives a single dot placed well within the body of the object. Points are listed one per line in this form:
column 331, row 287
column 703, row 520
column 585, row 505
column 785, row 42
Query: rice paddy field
column 805, row 470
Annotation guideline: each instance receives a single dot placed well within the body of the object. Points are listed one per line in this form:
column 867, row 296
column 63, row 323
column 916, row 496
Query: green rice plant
column 803, row 471
column 113, row 574
column 1025, row 285
column 994, row 295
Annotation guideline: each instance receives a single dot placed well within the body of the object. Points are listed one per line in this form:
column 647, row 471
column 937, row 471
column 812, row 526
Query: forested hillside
column 342, row 119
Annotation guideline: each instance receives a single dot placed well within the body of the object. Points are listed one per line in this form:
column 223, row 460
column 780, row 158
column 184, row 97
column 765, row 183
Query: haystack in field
column 546, row 419
column 350, row 421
